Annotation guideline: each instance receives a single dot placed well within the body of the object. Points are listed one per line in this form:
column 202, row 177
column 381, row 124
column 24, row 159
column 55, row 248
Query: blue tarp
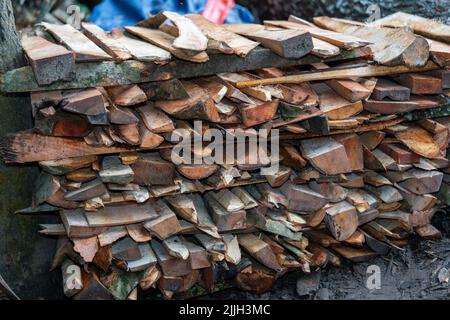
column 118, row 13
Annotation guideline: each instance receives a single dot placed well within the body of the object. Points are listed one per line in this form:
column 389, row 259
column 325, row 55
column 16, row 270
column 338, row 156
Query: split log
column 165, row 41
column 331, row 191
column 50, row 62
column 378, row 160
column 423, row 182
column 198, row 257
column 258, row 112
column 86, row 247
column 141, row 50
column 170, row 266
column 354, row 254
column 113, row 171
column 138, row 233
column 372, row 139
column 302, row 198
column 353, row 148
column 175, row 247
column 151, row 169
column 87, row 191
column 340, row 40
column 259, row 250
column 335, row 106
column 120, row 214
column 126, row 249
column 106, row 42
column 77, row 226
column 197, row 171
column 341, row 220
column 87, row 102
column 419, row 141
column 165, row 90
column 129, row 95
column 190, row 37
column 165, row 224
column 148, row 259
column 326, row 155
column 198, row 106
column 421, row 83
column 226, row 210
column 85, row 50
column 388, row 194
column 399, row 154
column 389, row 89
column 240, row 45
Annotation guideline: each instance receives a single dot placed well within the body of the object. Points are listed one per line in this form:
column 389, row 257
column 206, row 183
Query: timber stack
column 361, row 114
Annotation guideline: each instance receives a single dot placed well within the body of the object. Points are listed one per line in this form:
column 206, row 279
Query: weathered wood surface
column 50, row 62
column 106, row 74
column 84, row 49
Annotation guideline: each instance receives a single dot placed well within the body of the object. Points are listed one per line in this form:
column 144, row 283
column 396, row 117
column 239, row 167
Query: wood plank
column 368, row 71
column 389, row 89
column 141, row 50
column 397, row 107
column 421, row 83
column 337, row 39
column 335, row 106
column 190, row 37
column 85, row 50
column 165, row 41
column 240, row 45
column 291, row 44
column 423, row 26
column 326, row 155
column 50, row 62
column 106, row 42
column 120, row 214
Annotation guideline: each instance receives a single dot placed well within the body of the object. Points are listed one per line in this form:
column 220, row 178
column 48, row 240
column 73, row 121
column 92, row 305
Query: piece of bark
column 128, row 95
column 240, row 45
column 85, row 50
column 326, row 155
column 106, row 42
column 86, row 247
column 335, row 106
column 170, row 266
column 87, row 102
column 155, row 120
column 121, row 214
column 259, row 250
column 389, row 89
column 198, row 106
column 50, row 62
column 165, row 41
column 166, row 224
column 150, row 169
column 141, row 50
column 302, row 198
column 341, row 220
column 419, row 141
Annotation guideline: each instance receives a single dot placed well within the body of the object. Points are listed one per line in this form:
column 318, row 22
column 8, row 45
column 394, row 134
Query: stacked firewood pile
column 360, row 113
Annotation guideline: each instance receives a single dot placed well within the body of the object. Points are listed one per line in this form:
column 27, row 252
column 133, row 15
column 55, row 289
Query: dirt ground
column 409, row 274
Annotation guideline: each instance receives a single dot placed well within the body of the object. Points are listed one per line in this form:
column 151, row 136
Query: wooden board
column 85, row 50
column 50, row 62
column 337, row 39
column 106, row 41
column 121, row 214
column 240, row 45
column 398, row 107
